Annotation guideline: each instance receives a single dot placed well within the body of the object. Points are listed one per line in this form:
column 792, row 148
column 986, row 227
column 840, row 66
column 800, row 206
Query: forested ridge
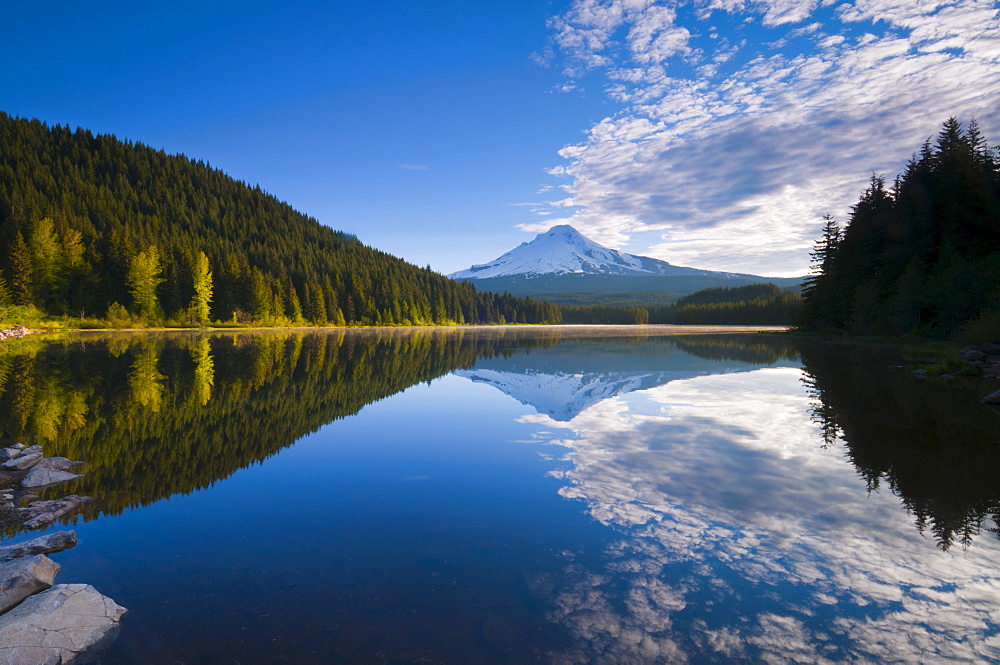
column 749, row 304
column 755, row 304
column 922, row 255
column 94, row 226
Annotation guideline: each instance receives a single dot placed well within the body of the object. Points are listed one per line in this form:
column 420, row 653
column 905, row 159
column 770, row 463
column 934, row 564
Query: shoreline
column 616, row 330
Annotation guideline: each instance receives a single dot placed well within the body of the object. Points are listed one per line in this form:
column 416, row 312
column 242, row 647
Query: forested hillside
column 922, row 255
column 94, row 226
column 752, row 304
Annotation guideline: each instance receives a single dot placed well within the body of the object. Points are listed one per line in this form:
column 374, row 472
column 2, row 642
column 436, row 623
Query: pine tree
column 20, row 261
column 6, row 300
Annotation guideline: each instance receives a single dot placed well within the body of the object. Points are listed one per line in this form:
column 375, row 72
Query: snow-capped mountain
column 563, row 250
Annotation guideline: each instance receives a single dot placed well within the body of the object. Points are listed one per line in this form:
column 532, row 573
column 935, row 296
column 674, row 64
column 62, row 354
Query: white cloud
column 732, row 151
column 413, row 167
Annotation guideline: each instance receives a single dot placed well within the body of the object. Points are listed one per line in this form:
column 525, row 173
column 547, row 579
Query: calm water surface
column 519, row 496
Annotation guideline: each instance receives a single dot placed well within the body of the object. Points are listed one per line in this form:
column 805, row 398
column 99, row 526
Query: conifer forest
column 95, row 227
column 920, row 254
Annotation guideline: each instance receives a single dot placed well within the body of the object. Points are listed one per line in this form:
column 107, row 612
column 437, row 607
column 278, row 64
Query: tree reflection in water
column 930, row 442
column 153, row 415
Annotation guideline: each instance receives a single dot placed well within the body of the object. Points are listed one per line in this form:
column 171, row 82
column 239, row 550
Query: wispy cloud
column 413, row 167
column 741, row 123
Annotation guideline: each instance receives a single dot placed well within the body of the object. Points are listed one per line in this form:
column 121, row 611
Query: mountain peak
column 564, row 250
column 563, row 230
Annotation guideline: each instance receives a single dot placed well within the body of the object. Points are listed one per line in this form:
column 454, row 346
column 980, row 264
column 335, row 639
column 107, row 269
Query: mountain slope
column 563, row 266
column 79, row 213
column 564, row 250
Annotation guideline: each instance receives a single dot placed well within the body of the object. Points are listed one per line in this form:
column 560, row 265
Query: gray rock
column 24, row 462
column 69, row 624
column 56, row 464
column 920, row 373
column 973, row 356
column 39, row 477
column 7, row 454
column 40, row 513
column 990, row 349
column 992, row 398
column 31, row 450
column 25, row 577
column 52, row 542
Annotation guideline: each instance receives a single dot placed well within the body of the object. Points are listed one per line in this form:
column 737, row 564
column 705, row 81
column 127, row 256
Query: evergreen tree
column 20, row 261
column 824, row 253
column 6, row 299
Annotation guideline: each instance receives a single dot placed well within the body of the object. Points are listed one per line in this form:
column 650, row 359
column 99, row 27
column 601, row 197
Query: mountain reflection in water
column 744, row 499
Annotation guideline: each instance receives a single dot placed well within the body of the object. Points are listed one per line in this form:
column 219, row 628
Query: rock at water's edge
column 69, row 624
column 53, row 542
column 23, row 462
column 992, row 398
column 39, row 477
column 40, row 513
column 25, row 577
column 7, row 454
column 56, row 464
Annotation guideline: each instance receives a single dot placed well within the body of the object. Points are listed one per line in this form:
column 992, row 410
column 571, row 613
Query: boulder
column 15, row 332
column 920, row 373
column 53, row 542
column 39, row 477
column 973, row 356
column 31, row 450
column 24, row 462
column 69, row 624
column 992, row 398
column 990, row 349
column 25, row 577
column 7, row 454
column 56, row 464
column 40, row 513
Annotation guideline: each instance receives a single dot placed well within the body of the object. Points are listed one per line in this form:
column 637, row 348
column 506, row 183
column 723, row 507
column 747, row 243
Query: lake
column 518, row 495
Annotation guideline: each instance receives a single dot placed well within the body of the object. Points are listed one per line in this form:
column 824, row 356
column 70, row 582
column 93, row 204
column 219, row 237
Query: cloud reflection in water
column 743, row 538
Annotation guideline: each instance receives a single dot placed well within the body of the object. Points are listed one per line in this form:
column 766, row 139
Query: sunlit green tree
column 144, row 276
column 203, row 289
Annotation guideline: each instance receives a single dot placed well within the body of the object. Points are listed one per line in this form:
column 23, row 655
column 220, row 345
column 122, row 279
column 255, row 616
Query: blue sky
column 710, row 133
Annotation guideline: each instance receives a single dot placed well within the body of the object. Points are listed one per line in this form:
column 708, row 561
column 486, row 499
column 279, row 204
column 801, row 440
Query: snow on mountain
column 563, row 396
column 564, row 250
